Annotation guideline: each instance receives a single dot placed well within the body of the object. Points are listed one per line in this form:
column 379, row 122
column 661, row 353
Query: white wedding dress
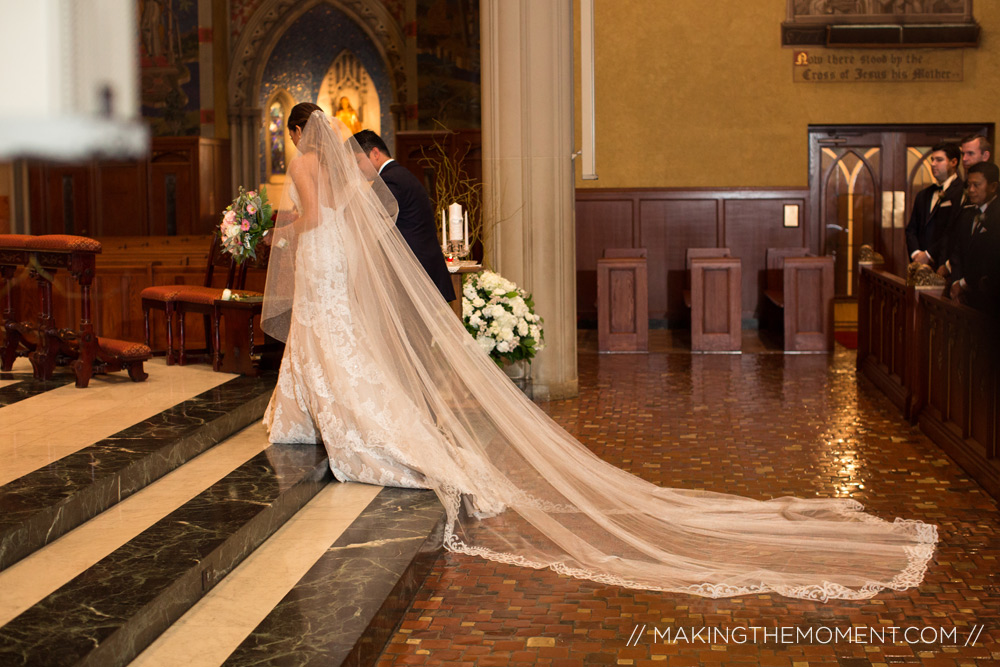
column 378, row 369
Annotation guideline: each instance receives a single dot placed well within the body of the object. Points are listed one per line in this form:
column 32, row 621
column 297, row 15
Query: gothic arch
column 253, row 50
column 269, row 23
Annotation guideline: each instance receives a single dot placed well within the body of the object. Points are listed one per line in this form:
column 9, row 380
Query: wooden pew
column 715, row 300
column 800, row 288
column 622, row 301
column 938, row 361
column 697, row 253
column 956, row 385
column 887, row 334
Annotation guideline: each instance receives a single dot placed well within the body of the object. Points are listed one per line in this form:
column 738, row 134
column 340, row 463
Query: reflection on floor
column 760, row 424
column 153, row 523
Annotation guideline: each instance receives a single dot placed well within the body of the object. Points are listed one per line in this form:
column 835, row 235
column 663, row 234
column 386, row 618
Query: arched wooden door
column 862, row 180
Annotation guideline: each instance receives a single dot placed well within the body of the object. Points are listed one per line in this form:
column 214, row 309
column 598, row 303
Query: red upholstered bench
column 45, row 255
column 63, row 243
column 115, row 355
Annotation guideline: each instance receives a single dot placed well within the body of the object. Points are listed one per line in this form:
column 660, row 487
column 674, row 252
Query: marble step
column 346, row 607
column 114, row 609
column 37, row 508
column 17, row 387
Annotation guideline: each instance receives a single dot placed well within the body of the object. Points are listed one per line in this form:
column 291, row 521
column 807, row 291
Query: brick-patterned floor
column 760, row 425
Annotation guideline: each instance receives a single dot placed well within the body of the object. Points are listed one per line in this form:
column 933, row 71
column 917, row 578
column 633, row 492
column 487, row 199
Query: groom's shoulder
column 398, row 174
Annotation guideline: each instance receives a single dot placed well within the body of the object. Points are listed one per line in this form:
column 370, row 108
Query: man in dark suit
column 975, row 261
column 416, row 213
column 975, row 149
column 935, row 208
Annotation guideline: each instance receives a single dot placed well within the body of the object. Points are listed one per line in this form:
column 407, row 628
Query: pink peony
column 246, row 225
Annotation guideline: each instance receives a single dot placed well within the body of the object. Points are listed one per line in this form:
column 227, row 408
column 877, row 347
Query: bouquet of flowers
column 501, row 317
column 244, row 223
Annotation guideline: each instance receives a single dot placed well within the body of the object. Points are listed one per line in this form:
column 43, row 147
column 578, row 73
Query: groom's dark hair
column 368, row 140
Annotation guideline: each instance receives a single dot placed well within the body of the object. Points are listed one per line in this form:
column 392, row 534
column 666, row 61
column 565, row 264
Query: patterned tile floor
column 760, row 425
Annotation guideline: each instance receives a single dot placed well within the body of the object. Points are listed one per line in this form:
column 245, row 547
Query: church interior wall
column 170, row 66
column 305, row 52
column 696, row 94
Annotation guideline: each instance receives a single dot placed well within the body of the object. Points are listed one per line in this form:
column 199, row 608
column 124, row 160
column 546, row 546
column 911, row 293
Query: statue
column 347, row 115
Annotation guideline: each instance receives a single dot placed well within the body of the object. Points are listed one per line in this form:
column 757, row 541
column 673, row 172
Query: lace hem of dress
column 918, row 559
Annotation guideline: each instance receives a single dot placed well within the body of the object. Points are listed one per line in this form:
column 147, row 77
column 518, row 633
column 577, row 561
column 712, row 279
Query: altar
column 456, row 282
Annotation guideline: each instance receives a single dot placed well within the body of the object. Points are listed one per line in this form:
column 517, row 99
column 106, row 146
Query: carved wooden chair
column 175, row 300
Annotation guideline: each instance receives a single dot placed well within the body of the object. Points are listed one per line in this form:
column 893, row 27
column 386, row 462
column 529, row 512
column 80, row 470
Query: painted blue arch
column 303, row 55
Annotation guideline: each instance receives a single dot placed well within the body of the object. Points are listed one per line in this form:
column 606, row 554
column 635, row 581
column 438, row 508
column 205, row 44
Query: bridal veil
column 519, row 489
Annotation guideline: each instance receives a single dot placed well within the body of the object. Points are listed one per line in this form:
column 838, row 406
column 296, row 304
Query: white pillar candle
column 444, row 225
column 465, row 229
column 455, row 219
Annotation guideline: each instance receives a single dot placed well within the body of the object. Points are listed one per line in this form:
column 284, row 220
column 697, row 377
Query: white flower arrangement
column 501, row 317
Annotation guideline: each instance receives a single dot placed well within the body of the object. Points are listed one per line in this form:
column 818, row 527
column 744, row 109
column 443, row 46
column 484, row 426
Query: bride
column 379, row 369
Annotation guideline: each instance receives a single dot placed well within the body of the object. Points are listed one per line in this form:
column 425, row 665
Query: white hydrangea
column 501, row 324
column 486, row 343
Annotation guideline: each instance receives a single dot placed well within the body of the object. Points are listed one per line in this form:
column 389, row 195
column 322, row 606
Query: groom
column 416, row 214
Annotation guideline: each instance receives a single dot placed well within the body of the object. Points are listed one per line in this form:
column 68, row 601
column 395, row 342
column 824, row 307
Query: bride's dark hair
column 300, row 113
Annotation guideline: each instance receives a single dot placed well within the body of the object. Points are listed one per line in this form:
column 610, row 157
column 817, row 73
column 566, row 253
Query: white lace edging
column 918, row 559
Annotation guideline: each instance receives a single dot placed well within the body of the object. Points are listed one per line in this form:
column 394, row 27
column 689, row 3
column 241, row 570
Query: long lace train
column 378, row 368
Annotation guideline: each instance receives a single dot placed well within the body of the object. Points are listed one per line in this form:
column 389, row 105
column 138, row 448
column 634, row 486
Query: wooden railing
column 938, row 361
column 886, row 321
column 956, row 385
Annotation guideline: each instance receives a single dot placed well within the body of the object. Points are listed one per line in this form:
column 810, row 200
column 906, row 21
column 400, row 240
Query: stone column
column 528, row 176
column 244, row 147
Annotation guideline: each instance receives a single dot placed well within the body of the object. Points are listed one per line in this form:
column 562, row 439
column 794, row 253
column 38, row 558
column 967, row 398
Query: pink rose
column 230, row 216
column 246, row 225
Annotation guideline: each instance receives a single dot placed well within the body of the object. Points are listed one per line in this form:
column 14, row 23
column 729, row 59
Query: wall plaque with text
column 877, row 66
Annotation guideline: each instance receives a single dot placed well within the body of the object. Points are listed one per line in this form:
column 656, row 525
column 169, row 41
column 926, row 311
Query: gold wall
column 693, row 93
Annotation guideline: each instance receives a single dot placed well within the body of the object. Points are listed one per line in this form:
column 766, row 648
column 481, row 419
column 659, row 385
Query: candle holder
column 456, row 249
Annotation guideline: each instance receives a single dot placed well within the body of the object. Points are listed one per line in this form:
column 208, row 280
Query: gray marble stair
column 342, row 611
column 345, row 609
column 106, row 615
column 43, row 505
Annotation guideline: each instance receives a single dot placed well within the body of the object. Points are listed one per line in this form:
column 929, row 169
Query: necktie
column 936, row 196
column 977, row 222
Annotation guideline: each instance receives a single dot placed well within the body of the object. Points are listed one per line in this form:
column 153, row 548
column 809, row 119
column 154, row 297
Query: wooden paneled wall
column 180, row 189
column 668, row 221
column 124, row 269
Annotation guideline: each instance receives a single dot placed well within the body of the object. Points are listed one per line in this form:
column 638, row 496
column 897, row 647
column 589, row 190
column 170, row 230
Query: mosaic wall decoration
column 448, row 69
column 241, row 11
column 168, row 51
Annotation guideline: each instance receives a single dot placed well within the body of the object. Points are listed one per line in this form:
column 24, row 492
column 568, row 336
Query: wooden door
column 862, row 180
column 61, row 200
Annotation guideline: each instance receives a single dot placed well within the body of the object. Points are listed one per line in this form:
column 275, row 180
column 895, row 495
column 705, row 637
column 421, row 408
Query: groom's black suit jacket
column 416, row 223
